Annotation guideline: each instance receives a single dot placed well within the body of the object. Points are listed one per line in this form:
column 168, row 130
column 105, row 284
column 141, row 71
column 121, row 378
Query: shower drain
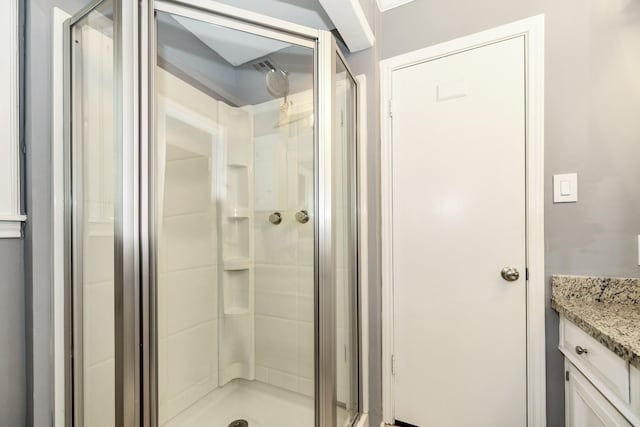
column 239, row 423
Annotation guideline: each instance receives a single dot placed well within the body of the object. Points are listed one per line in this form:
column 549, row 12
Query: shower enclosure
column 211, row 220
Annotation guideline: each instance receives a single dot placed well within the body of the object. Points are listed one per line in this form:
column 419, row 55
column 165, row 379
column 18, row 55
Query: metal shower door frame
column 135, row 200
column 126, row 223
column 325, row 51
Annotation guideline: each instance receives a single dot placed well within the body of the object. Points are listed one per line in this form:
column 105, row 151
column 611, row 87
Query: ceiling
column 235, row 47
column 220, row 61
column 303, row 12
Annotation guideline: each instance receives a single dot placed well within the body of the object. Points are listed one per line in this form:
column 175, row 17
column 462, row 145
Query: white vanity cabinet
column 602, row 389
column 585, row 406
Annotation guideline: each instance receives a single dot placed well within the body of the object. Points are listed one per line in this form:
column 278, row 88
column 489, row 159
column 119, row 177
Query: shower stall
column 211, row 220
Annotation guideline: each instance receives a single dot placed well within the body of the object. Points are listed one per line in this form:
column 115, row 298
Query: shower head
column 277, row 83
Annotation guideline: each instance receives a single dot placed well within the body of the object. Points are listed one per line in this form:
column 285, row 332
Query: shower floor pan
column 260, row 404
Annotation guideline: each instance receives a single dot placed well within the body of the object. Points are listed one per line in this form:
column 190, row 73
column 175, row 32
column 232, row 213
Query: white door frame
column 533, row 30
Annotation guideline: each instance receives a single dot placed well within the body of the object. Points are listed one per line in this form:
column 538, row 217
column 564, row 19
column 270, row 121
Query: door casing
column 533, row 31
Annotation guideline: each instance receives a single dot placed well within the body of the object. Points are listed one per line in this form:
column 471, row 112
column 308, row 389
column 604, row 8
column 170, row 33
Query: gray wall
column 12, row 315
column 37, row 250
column 12, row 335
column 370, row 9
column 592, row 127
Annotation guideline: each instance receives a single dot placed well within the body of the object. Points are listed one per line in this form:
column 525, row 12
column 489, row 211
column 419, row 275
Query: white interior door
column 458, row 144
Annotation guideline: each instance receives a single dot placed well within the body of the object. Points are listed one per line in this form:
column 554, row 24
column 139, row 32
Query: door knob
column 302, row 216
column 510, row 274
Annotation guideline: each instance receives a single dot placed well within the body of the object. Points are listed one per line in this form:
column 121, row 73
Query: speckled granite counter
column 608, row 309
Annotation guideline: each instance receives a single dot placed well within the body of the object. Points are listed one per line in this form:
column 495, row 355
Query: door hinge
column 526, row 273
column 566, row 375
column 390, row 108
column 393, row 364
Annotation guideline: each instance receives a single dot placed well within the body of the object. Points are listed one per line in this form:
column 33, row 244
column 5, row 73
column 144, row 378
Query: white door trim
column 57, row 187
column 533, row 30
column 363, row 244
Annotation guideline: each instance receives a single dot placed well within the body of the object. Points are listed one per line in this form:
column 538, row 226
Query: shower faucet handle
column 302, row 216
column 275, row 218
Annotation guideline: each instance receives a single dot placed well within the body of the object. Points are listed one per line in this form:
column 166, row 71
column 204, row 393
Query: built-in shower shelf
column 236, row 311
column 237, row 264
column 238, row 213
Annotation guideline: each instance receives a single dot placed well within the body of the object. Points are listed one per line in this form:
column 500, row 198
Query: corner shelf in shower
column 233, row 264
column 236, row 225
column 236, row 311
column 238, row 213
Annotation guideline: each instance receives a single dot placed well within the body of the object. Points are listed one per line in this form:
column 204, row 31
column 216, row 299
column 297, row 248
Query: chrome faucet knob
column 302, row 216
column 275, row 218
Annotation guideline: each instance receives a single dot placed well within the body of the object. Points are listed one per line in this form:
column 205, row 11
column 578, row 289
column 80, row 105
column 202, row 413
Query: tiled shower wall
column 283, row 174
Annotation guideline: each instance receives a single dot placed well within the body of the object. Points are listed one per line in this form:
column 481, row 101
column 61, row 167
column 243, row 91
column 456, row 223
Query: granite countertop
column 608, row 309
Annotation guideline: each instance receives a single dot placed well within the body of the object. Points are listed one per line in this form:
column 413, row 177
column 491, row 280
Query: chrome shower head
column 277, row 83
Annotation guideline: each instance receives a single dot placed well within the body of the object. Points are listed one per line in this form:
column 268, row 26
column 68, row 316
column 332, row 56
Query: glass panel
column 235, row 216
column 346, row 248
column 93, row 216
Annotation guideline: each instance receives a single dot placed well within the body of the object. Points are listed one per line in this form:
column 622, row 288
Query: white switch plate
column 565, row 188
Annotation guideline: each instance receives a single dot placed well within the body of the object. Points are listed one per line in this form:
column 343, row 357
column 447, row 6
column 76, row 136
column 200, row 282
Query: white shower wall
column 205, row 248
column 215, row 274
column 188, row 261
column 202, row 144
column 284, row 253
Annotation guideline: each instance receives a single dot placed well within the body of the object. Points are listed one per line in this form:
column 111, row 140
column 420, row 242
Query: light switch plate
column 565, row 188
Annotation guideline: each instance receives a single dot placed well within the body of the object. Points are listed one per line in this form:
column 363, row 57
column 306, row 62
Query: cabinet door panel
column 586, row 407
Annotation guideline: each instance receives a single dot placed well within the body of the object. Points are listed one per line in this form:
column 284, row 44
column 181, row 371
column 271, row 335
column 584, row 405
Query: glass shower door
column 235, row 208
column 346, row 223
column 92, row 150
column 101, row 217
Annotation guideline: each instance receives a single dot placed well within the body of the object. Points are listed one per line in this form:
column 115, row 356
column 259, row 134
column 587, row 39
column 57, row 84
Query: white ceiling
column 302, row 12
column 234, row 46
column 239, row 48
column 385, row 5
